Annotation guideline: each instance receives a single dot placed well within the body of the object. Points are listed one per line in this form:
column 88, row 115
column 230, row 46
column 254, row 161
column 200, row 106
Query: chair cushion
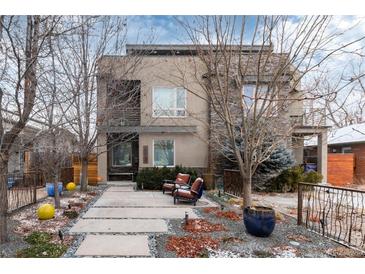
column 184, row 194
column 167, row 186
column 196, row 186
column 182, row 178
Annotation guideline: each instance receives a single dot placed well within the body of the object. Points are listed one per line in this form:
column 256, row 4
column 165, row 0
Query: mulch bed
column 190, row 246
column 201, row 225
column 210, row 209
column 231, row 215
column 29, row 222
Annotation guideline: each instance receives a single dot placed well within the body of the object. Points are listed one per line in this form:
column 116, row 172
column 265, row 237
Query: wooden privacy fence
column 92, row 169
column 334, row 212
column 232, row 182
column 23, row 191
column 340, row 168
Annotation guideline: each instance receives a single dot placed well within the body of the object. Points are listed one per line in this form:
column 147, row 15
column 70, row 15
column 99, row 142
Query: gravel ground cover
column 25, row 221
column 287, row 241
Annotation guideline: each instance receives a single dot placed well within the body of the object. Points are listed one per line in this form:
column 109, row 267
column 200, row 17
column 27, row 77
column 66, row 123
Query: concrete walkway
column 119, row 223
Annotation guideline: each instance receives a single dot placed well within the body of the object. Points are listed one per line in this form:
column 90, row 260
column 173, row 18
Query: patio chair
column 181, row 180
column 191, row 195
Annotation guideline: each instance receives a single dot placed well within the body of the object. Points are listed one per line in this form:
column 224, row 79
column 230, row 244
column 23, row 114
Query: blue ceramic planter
column 259, row 221
column 50, row 189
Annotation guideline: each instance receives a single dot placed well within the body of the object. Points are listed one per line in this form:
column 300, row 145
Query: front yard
column 24, row 223
column 230, row 238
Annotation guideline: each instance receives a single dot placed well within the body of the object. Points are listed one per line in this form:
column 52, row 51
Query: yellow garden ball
column 71, row 186
column 45, row 212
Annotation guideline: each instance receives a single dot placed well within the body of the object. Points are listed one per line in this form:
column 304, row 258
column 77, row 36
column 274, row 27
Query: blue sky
column 166, row 29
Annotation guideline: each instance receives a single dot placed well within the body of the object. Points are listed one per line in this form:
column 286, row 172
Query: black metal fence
column 22, row 189
column 337, row 213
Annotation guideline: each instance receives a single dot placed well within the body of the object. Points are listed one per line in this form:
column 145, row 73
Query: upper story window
column 260, row 97
column 250, row 94
column 169, row 102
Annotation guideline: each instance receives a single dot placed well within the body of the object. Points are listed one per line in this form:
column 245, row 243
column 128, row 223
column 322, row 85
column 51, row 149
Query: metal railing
column 309, row 117
column 334, row 212
column 22, row 189
column 232, row 182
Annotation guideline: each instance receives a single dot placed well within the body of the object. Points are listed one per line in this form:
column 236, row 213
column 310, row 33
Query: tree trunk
column 57, row 202
column 247, row 195
column 3, row 200
column 84, row 174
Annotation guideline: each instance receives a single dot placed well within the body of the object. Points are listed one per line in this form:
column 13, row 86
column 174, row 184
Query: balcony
column 315, row 117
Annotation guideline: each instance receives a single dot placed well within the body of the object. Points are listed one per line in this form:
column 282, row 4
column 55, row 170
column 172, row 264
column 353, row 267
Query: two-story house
column 147, row 117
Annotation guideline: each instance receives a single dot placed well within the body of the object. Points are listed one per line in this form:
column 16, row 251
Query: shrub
column 42, row 250
column 312, row 177
column 287, row 181
column 152, row 178
column 41, row 247
column 38, row 238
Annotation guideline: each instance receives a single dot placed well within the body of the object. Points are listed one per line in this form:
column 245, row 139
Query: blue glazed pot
column 50, row 189
column 259, row 221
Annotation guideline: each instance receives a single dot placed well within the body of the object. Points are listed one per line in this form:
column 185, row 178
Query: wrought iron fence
column 22, row 189
column 232, row 182
column 337, row 213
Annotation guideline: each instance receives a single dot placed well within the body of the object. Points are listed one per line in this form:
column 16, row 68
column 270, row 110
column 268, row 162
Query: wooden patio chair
column 191, row 195
column 180, row 181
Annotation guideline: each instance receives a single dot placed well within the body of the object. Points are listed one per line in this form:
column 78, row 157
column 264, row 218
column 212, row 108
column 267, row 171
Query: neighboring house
column 163, row 124
column 346, row 154
column 19, row 154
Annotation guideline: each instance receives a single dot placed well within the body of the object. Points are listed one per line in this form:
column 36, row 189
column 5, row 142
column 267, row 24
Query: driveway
column 120, row 222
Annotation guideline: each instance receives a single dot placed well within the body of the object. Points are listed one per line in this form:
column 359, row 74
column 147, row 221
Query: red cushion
column 196, row 185
column 182, row 178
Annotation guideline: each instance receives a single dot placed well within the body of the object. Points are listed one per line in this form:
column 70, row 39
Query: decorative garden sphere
column 71, row 186
column 45, row 212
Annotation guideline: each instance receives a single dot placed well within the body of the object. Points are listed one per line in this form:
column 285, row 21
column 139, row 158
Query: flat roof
column 187, row 49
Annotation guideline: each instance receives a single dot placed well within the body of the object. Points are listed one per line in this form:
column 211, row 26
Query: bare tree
column 22, row 44
column 252, row 78
column 78, row 56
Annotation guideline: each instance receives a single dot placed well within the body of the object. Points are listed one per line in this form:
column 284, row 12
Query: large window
column 163, row 153
column 122, row 155
column 250, row 94
column 169, row 102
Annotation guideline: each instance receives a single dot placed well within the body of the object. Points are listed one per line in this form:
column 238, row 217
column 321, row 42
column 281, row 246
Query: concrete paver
column 145, row 199
column 114, row 245
column 138, row 213
column 119, row 225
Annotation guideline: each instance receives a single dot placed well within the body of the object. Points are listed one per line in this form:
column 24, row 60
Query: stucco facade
column 190, row 133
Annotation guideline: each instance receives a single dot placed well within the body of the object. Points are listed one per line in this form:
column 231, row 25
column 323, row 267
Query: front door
column 122, row 159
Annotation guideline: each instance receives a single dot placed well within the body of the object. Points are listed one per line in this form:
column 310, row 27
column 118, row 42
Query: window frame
column 259, row 102
column 346, row 150
column 153, row 152
column 174, row 109
column 131, row 162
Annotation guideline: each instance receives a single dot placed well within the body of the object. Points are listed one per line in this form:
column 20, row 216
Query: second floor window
column 169, row 102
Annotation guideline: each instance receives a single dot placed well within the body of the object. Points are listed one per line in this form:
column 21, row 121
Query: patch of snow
column 350, row 134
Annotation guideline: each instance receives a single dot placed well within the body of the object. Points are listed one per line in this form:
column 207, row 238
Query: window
column 169, row 102
column 346, row 150
column 163, row 153
column 122, row 155
column 250, row 93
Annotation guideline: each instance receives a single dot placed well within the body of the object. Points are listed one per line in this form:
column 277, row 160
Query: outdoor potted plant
column 259, row 220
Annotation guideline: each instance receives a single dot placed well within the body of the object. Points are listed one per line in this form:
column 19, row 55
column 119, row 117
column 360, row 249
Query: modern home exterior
column 160, row 123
